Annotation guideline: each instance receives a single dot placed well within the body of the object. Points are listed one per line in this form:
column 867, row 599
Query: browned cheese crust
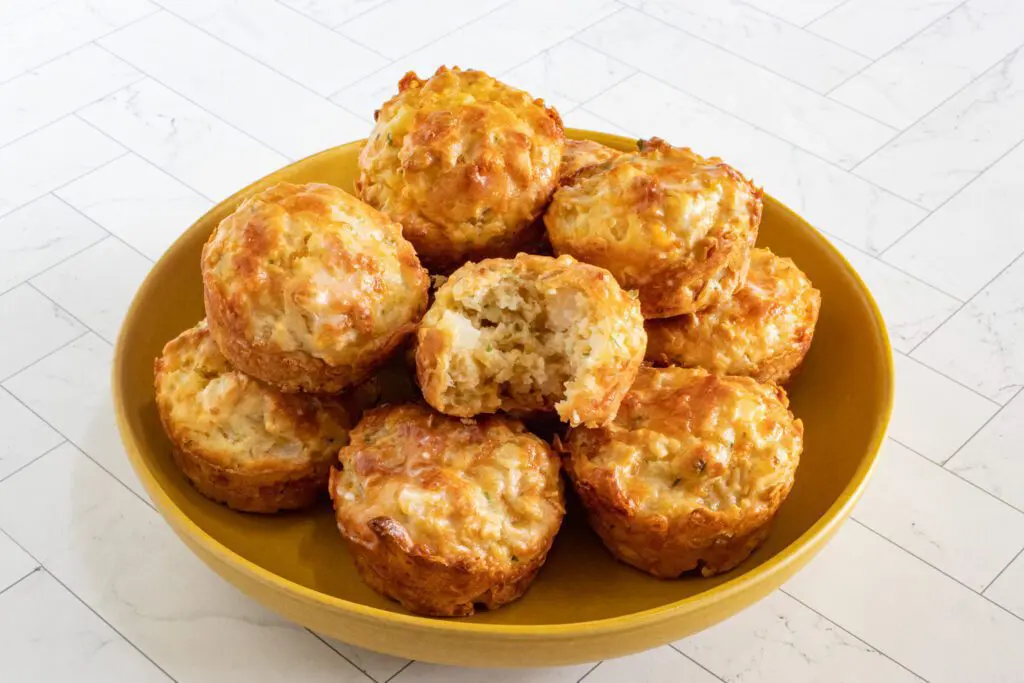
column 239, row 441
column 665, row 221
column 581, row 154
column 691, row 473
column 465, row 163
column 446, row 515
column 763, row 331
column 310, row 289
column 527, row 334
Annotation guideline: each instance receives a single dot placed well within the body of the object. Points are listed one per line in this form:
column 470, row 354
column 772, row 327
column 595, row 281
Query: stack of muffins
column 562, row 266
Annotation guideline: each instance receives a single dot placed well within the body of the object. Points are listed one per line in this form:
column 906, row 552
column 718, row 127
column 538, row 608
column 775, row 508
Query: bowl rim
column 806, row 543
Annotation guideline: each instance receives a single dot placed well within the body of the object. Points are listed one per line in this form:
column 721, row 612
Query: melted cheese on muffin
column 464, row 162
column 235, row 421
column 685, row 439
column 763, row 331
column 305, row 276
column 664, row 220
column 486, row 492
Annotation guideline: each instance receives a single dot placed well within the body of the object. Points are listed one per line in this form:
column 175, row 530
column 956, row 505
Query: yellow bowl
column 584, row 606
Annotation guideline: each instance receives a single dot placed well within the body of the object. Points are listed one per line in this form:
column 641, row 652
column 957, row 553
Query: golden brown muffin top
column 687, row 440
column 463, row 161
column 580, row 154
column 773, row 313
column 484, row 491
column 311, row 268
column 237, row 422
column 656, row 218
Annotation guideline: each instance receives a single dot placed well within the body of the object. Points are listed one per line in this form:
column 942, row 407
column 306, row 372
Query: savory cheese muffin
column 763, row 331
column 665, row 221
column 464, row 162
column 580, row 154
column 240, row 441
column 445, row 515
column 530, row 333
column 691, row 472
column 309, row 289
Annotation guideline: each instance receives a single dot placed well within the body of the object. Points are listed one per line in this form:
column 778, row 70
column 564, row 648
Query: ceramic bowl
column 584, row 605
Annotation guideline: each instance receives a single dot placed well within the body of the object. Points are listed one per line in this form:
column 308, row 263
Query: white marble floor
column 894, row 125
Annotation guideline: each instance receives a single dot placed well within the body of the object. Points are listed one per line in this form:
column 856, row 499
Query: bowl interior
column 842, row 394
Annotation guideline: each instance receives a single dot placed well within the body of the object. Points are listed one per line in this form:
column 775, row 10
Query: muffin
column 580, row 154
column 665, row 221
column 239, row 441
column 309, row 289
column 527, row 334
column 465, row 163
column 446, row 515
column 691, row 472
column 763, row 331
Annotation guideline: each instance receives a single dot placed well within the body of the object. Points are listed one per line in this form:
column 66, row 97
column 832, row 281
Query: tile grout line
column 854, row 636
column 823, row 95
column 245, row 54
column 590, row 671
column 951, row 472
column 938, row 106
column 572, row 38
column 288, row 157
column 978, row 431
column 37, row 568
column 759, row 128
column 71, row 441
column 397, row 673
column 125, row 152
column 88, row 329
column 1003, row 570
column 333, row 29
column 962, row 306
column 519, row 64
column 710, row 672
column 950, row 198
column 135, row 154
column 63, row 346
column 348, row 19
column 109, row 625
column 948, row 576
column 894, row 48
column 827, row 12
column 69, row 114
column 328, row 646
column 79, row 47
column 44, row 453
column 112, row 235
column 875, row 257
column 60, row 262
column 370, row 75
column 42, row 567
column 977, row 393
column 806, row 30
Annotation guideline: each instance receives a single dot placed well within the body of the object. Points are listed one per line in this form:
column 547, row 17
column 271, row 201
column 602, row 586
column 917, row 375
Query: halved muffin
column 764, row 331
column 446, row 515
column 240, row 441
column 665, row 221
column 527, row 334
column 691, row 472
column 309, row 289
column 465, row 163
